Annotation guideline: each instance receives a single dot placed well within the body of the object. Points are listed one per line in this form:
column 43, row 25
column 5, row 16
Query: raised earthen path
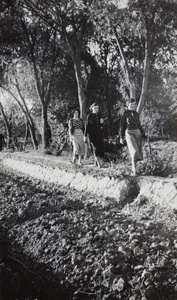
column 59, row 171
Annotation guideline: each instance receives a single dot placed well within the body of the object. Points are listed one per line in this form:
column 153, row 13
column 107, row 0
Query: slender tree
column 143, row 31
column 72, row 20
column 26, row 113
column 43, row 54
column 7, row 126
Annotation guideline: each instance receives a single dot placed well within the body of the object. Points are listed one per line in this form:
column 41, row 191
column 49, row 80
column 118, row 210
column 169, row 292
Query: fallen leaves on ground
column 85, row 248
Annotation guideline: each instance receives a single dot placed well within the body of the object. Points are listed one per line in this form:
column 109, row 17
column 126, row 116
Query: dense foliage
column 56, row 56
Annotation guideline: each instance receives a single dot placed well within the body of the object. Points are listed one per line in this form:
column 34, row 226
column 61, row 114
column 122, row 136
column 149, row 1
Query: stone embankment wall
column 122, row 189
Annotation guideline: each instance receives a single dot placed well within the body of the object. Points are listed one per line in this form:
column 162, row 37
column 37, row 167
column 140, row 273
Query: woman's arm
column 87, row 126
column 122, row 127
column 141, row 128
column 83, row 127
column 86, row 132
column 71, row 128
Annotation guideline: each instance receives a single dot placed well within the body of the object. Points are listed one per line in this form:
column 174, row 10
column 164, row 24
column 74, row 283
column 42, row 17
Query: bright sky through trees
column 121, row 3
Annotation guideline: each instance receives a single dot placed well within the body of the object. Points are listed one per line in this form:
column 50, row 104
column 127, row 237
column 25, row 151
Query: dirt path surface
column 64, row 244
column 107, row 182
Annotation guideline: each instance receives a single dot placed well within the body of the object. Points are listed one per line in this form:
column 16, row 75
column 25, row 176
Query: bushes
column 159, row 159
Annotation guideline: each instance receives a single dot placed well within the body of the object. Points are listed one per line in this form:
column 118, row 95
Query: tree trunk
column 8, row 127
column 33, row 137
column 130, row 86
column 80, row 89
column 109, row 117
column 145, row 76
column 108, row 107
column 46, row 132
column 26, row 113
column 44, row 90
column 30, row 125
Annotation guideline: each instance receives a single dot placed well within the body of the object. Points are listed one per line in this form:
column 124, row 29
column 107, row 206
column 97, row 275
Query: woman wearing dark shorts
column 94, row 131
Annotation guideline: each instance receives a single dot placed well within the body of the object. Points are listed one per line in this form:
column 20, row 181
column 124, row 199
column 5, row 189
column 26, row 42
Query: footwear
column 134, row 174
column 96, row 164
column 134, row 171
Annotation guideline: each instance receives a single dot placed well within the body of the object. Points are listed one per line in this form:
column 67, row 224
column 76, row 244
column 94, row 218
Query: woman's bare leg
column 74, row 159
column 97, row 162
column 80, row 160
column 134, row 167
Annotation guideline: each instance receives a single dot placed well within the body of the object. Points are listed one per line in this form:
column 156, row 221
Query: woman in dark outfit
column 131, row 130
column 94, row 131
column 1, row 141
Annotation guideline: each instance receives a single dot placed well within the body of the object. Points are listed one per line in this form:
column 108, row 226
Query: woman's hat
column 94, row 104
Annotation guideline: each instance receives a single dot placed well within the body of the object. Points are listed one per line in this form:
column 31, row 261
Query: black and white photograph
column 88, row 149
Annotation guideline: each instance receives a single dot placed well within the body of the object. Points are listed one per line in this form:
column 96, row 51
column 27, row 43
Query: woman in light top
column 131, row 130
column 76, row 134
column 94, row 131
